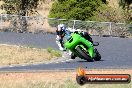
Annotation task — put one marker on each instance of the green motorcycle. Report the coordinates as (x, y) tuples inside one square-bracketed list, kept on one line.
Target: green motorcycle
[(81, 47)]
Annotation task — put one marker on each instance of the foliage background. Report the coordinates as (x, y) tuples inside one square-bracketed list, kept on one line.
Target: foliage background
[(96, 10)]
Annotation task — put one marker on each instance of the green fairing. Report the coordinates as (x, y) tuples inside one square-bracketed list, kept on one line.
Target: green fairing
[(77, 40)]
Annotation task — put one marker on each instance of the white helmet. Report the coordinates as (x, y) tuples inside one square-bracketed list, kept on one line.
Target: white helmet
[(61, 27), (73, 30)]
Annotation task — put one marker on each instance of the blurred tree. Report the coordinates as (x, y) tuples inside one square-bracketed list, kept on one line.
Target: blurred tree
[(125, 4), (21, 7), (74, 9), (104, 1)]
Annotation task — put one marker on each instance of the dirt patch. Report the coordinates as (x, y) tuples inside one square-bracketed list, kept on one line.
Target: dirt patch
[(11, 54), (113, 3), (53, 79), (55, 75)]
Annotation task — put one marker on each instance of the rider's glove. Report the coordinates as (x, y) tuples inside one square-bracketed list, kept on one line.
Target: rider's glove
[(76, 32), (58, 38)]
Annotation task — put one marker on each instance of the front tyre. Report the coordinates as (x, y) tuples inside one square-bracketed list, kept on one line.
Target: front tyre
[(84, 54)]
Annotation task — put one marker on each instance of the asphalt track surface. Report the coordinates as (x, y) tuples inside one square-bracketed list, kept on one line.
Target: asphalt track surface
[(115, 52)]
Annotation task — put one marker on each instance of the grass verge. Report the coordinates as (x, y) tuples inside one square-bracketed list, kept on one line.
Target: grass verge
[(12, 54)]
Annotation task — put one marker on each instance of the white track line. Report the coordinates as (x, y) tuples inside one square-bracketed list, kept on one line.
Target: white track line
[(62, 61), (69, 59), (23, 65), (46, 63), (65, 61), (11, 66)]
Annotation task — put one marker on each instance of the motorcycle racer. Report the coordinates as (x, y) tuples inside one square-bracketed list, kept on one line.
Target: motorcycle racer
[(63, 32), (85, 34)]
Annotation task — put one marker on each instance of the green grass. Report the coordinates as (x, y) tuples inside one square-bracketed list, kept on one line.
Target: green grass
[(54, 52), (49, 49)]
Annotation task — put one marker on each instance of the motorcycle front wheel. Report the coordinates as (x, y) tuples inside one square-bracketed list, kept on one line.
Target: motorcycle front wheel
[(84, 54)]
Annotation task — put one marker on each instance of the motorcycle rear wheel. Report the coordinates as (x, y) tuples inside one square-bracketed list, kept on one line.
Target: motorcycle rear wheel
[(97, 56), (73, 56)]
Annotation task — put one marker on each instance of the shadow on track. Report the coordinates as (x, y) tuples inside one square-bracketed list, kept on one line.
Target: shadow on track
[(89, 62)]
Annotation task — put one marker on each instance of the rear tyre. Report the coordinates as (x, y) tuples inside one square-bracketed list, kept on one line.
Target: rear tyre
[(73, 56), (97, 56), (84, 54)]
